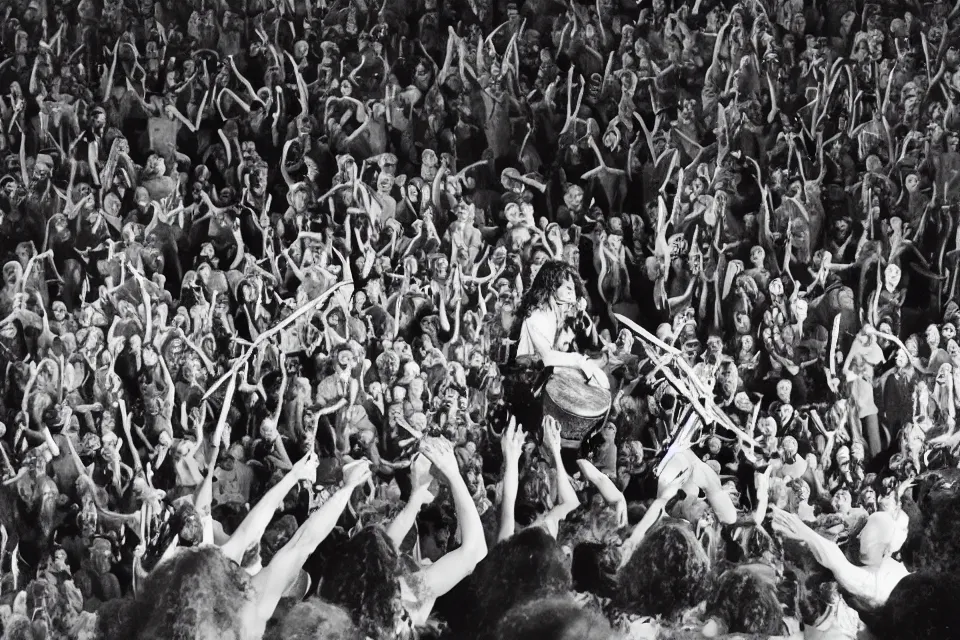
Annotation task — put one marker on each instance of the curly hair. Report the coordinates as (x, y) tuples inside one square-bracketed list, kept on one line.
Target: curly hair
[(592, 531), (552, 619), (934, 540), (668, 572), (315, 619), (199, 594), (524, 567), (746, 603), (551, 275), (921, 607), (363, 577)]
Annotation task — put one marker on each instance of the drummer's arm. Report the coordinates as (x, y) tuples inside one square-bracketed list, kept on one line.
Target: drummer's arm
[(551, 357)]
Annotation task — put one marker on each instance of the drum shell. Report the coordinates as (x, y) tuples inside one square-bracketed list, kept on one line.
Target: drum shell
[(578, 407)]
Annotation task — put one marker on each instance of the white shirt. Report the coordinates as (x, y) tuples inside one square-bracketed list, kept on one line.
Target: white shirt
[(541, 323)]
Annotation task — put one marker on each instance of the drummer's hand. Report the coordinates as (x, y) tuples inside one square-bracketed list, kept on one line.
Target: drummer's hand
[(551, 434), (594, 374), (512, 441)]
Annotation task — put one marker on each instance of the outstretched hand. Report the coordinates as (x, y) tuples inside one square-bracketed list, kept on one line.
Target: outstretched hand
[(512, 441), (439, 451), (551, 434), (356, 473)]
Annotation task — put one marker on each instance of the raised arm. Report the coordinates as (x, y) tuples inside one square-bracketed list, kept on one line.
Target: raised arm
[(567, 497), (512, 446), (251, 529), (401, 525), (274, 579), (857, 581), (448, 571), (672, 478)]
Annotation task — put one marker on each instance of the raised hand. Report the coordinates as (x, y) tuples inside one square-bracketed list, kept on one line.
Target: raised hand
[(306, 468), (439, 451), (355, 473), (551, 434), (512, 441), (788, 524)]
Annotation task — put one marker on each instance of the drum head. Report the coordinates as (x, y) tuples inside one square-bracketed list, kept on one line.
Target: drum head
[(568, 389)]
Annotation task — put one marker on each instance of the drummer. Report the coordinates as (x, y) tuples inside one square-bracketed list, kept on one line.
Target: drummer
[(549, 314), (545, 328)]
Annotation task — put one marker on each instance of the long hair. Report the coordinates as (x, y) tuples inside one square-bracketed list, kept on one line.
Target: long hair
[(363, 577), (921, 607), (668, 573), (315, 619), (552, 274), (553, 619), (198, 593), (525, 567), (746, 602)]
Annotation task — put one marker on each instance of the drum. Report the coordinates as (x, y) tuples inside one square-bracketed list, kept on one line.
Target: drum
[(576, 405)]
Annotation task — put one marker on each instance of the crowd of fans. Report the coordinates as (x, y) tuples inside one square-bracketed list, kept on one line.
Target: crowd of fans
[(266, 268)]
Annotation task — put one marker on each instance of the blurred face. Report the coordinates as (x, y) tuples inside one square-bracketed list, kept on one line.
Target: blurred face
[(268, 431), (784, 390), (566, 293), (346, 359), (776, 287), (903, 358), (948, 331), (841, 501)]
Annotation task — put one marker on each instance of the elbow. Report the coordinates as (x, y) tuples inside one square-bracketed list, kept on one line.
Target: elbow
[(473, 552)]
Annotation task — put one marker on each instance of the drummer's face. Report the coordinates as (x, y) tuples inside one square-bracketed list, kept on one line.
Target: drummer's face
[(566, 292)]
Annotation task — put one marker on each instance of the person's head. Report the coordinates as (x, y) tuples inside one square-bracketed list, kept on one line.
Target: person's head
[(842, 501), (784, 390), (315, 619), (198, 593), (746, 602), (268, 430), (150, 356), (363, 578), (554, 618), (912, 182), (921, 607), (668, 573), (877, 538), (790, 448), (156, 165), (932, 335), (522, 568), (556, 283)]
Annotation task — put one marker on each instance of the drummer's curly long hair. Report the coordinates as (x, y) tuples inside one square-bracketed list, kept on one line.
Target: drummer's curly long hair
[(551, 275)]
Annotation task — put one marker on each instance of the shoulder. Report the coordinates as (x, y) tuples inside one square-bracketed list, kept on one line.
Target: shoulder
[(540, 315)]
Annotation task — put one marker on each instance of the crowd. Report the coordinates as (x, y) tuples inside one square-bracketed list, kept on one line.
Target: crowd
[(479, 320)]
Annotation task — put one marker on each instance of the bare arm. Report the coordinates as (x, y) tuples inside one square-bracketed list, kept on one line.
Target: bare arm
[(420, 496), (448, 571), (251, 529), (568, 500), (857, 581), (276, 577), (512, 446)]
